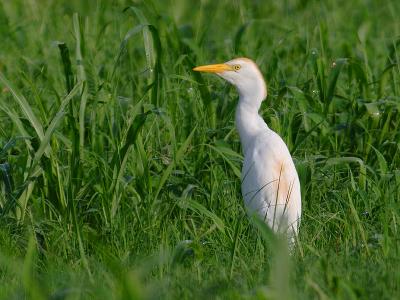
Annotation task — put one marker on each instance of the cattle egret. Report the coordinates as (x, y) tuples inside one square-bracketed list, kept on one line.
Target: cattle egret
[(270, 184)]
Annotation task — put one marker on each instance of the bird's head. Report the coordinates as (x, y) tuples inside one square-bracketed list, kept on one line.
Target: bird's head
[(242, 73)]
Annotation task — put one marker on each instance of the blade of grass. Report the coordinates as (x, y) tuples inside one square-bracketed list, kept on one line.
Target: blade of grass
[(119, 160), (45, 143), (81, 76), (179, 155), (197, 207), (25, 107)]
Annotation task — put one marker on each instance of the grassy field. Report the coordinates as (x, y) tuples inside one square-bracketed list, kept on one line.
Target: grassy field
[(120, 167)]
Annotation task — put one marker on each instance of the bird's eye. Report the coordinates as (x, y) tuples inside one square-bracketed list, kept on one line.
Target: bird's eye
[(236, 67)]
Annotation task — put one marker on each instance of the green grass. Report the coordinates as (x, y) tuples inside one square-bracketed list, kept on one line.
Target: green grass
[(119, 166)]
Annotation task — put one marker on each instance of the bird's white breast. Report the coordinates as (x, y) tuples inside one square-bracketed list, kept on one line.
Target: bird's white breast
[(270, 184)]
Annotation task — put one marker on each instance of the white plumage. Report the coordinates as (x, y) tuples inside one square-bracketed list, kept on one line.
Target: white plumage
[(270, 184)]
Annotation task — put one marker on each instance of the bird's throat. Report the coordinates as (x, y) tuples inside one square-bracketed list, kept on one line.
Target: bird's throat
[(248, 122)]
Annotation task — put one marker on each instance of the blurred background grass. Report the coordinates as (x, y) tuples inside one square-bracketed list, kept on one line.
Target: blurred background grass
[(119, 166)]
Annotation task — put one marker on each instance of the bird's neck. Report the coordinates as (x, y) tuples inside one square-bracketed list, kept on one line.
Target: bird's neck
[(248, 122)]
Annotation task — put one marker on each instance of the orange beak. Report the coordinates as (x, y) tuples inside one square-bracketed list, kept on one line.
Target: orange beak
[(217, 68)]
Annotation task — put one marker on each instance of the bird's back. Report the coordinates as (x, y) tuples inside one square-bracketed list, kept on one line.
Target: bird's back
[(270, 184)]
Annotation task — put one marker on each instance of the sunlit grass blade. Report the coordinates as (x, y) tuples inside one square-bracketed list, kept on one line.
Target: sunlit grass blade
[(81, 76), (24, 106), (147, 37), (54, 123)]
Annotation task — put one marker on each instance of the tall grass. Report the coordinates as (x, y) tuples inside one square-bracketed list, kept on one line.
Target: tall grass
[(120, 167)]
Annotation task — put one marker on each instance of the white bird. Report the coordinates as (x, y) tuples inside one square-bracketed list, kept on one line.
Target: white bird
[(270, 184)]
